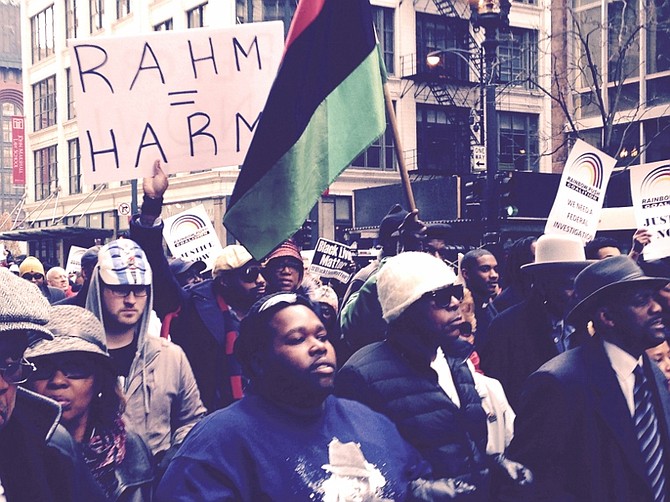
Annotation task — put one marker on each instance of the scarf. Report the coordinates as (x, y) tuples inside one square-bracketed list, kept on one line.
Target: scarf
[(104, 452)]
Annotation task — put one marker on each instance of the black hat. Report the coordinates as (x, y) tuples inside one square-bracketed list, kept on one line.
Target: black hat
[(438, 231), (391, 222), (602, 276), (179, 266)]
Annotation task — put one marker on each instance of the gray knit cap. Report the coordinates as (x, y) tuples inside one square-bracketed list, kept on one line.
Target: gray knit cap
[(75, 330), (22, 307)]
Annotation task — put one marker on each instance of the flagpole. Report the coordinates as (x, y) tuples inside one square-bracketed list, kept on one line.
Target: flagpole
[(398, 150)]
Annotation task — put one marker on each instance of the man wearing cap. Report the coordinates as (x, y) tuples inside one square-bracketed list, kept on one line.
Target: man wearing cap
[(38, 459), (437, 236), (187, 272), (527, 335), (162, 398), (31, 269), (208, 323), (418, 377), (593, 421)]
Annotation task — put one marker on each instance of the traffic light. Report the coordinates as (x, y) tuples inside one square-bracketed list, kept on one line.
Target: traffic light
[(507, 202), (305, 235), (473, 194)]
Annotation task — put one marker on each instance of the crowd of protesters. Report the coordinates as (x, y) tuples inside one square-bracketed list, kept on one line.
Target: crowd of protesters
[(539, 374)]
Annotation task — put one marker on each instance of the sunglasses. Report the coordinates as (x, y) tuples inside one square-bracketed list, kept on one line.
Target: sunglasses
[(31, 277), (124, 291), (250, 273), (75, 368), (279, 264), (442, 297), (17, 372)]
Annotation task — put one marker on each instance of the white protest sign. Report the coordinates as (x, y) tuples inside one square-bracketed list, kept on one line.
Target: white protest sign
[(650, 192), (73, 264), (581, 193), (330, 259), (191, 236), (190, 98)]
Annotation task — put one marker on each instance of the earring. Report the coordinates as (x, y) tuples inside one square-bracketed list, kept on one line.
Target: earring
[(99, 394)]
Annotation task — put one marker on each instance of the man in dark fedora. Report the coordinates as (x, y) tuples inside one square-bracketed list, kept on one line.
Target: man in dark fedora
[(593, 421), (527, 335)]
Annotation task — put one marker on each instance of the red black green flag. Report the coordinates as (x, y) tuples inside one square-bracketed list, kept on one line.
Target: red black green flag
[(326, 106)]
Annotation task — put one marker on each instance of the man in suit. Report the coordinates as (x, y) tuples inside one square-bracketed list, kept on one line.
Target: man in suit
[(593, 421)]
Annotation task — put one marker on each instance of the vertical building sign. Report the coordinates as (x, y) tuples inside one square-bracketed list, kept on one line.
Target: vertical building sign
[(18, 151)]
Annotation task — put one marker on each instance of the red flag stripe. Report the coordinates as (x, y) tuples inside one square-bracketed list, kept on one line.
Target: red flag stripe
[(305, 14)]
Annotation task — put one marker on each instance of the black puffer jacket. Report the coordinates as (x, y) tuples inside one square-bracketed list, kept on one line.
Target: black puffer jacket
[(394, 378)]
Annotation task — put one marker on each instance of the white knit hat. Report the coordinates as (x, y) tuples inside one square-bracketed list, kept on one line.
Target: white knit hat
[(406, 277)]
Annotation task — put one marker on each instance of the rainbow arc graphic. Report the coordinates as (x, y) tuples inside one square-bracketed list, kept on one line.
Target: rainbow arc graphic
[(587, 168), (656, 182), (186, 224)]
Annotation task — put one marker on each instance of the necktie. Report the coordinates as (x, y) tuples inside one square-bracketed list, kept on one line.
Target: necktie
[(646, 427)]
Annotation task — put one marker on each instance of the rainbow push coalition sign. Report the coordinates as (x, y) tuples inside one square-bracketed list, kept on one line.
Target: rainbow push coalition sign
[(650, 193), (579, 200)]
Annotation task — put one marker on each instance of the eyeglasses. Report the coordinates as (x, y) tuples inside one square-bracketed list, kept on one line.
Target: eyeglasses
[(289, 298), (124, 291), (17, 372), (279, 264), (250, 273), (442, 297), (75, 368), (29, 277)]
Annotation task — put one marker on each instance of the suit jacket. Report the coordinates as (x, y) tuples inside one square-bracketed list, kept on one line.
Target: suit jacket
[(575, 431)]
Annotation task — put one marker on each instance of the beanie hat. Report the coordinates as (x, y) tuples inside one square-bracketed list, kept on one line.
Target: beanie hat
[(31, 265), (406, 277), (123, 262), (75, 329), (90, 258), (391, 222), (231, 257), (288, 248), (22, 307)]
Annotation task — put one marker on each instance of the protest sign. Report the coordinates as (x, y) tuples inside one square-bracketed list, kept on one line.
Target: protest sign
[(190, 98), (191, 236), (73, 264), (581, 192), (331, 259), (650, 192)]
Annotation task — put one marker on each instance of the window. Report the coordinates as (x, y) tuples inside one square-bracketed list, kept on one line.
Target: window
[(42, 34), (588, 44), (44, 103), (122, 8), (97, 9), (380, 154), (519, 141), (195, 18), (623, 44), (383, 18), (71, 110), (70, 19), (657, 139), (658, 36), (249, 11), (438, 33), (164, 26), (46, 172), (443, 139), (74, 163), (518, 58)]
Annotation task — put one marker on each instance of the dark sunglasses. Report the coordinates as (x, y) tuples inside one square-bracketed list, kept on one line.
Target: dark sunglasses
[(76, 368), (30, 276), (442, 297), (281, 264), (250, 273), (17, 372)]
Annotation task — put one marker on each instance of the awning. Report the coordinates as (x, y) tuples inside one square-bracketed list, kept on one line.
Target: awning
[(56, 232)]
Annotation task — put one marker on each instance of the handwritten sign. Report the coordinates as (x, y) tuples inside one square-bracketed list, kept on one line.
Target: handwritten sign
[(330, 259), (580, 196), (191, 98), (650, 193), (191, 236)]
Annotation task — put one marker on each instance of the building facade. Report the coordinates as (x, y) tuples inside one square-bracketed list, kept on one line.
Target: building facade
[(438, 135)]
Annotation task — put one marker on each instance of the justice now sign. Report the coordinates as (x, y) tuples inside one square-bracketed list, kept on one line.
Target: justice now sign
[(190, 98)]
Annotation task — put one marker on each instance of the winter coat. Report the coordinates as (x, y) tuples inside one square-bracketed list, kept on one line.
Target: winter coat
[(135, 475)]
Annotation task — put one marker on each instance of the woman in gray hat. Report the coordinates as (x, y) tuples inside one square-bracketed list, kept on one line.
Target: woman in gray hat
[(74, 370)]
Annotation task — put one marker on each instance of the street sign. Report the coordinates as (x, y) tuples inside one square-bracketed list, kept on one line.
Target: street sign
[(478, 158), (124, 209)]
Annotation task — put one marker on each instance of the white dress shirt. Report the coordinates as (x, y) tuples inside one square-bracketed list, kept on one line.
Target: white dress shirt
[(624, 364)]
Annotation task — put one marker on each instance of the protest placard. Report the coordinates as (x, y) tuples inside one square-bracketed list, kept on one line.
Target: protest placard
[(581, 192), (73, 264), (190, 98), (650, 192), (331, 259), (190, 236)]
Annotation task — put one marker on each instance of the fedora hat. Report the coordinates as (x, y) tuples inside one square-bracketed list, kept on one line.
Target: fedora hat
[(604, 275), (562, 251)]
